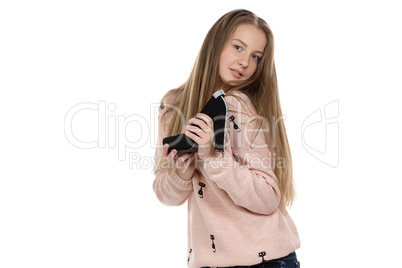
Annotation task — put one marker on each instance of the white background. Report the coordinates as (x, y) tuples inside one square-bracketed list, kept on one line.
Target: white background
[(64, 206)]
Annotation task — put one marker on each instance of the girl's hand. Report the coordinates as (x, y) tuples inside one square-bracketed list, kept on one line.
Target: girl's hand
[(184, 162), (203, 126)]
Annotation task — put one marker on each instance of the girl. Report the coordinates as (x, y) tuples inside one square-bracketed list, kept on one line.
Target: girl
[(236, 198)]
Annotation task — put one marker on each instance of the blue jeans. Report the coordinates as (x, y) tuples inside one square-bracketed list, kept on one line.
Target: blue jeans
[(289, 261)]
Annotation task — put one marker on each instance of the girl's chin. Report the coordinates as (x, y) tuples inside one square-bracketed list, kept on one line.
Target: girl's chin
[(231, 82), (234, 82)]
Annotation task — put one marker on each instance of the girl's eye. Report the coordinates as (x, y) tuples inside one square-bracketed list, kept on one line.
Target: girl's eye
[(256, 57), (237, 47)]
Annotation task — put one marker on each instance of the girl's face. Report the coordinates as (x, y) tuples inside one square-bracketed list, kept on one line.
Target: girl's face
[(241, 54)]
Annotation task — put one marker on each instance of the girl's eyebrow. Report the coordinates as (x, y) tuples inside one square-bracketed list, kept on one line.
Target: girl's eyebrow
[(244, 44)]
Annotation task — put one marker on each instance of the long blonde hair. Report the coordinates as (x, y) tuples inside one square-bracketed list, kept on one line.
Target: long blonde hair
[(261, 88)]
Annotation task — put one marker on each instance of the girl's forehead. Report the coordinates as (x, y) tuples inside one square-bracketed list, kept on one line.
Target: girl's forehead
[(251, 36)]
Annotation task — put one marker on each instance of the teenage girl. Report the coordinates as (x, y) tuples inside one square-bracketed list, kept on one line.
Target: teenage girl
[(236, 199)]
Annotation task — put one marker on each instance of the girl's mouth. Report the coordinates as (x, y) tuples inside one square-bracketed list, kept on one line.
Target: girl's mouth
[(236, 73)]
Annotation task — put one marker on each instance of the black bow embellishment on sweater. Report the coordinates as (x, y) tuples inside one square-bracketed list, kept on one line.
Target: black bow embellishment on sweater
[(200, 192), (213, 244), (231, 119)]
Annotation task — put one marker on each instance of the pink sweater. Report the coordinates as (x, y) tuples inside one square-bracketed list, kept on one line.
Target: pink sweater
[(234, 216)]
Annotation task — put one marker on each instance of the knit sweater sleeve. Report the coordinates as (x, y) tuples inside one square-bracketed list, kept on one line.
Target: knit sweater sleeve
[(244, 170), (169, 188)]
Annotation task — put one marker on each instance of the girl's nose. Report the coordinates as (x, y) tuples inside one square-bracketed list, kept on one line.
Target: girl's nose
[(243, 61)]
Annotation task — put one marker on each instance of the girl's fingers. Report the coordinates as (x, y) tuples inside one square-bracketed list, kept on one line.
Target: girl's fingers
[(172, 156), (198, 131), (165, 149), (185, 156), (190, 158), (202, 125), (199, 124), (206, 119), (185, 162), (180, 161), (199, 136), (196, 138)]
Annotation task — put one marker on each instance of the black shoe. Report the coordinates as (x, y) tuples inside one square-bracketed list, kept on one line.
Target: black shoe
[(217, 109)]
